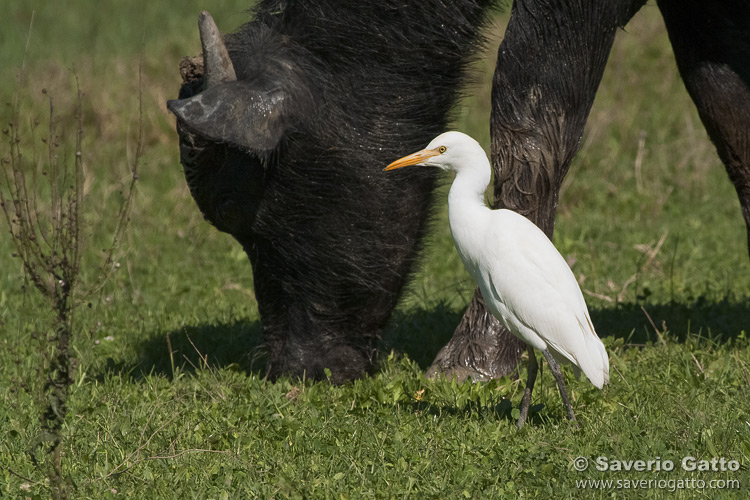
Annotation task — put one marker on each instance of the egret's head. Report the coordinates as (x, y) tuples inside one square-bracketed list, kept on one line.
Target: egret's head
[(449, 151)]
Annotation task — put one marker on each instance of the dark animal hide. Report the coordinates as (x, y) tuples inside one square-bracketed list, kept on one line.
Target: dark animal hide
[(288, 159)]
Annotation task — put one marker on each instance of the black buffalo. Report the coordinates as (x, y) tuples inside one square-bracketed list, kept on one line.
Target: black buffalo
[(284, 139)]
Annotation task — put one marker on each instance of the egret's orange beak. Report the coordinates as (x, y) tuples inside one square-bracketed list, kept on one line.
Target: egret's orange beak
[(413, 159)]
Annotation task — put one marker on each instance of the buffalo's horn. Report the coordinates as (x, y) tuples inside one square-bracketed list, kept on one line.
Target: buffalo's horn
[(218, 66)]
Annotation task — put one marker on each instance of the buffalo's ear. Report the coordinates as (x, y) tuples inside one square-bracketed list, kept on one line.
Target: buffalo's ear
[(238, 113), (250, 114)]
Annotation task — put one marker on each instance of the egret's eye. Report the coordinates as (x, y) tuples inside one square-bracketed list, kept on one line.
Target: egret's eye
[(442, 149)]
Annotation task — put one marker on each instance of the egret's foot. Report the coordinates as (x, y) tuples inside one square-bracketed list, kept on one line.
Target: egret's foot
[(480, 349), (521, 420)]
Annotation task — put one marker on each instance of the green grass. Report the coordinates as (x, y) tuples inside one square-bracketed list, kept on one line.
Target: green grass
[(169, 399)]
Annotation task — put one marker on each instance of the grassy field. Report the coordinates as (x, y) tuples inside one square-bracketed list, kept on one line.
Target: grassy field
[(169, 399)]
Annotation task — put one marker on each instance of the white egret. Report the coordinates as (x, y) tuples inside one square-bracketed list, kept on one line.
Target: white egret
[(524, 280)]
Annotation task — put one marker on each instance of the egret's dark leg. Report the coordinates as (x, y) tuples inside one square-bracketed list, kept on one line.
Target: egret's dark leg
[(530, 379), (554, 367)]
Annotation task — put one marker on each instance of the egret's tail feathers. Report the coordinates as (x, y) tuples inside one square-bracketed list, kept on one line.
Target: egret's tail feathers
[(596, 366), (589, 356), (592, 359)]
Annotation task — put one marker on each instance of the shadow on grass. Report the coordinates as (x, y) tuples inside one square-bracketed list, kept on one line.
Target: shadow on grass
[(501, 410), (421, 333), (719, 321), (236, 344)]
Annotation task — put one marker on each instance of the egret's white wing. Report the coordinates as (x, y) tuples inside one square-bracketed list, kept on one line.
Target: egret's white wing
[(528, 284)]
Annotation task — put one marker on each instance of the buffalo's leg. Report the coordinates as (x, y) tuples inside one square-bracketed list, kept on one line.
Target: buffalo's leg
[(548, 69), (711, 42), (481, 348)]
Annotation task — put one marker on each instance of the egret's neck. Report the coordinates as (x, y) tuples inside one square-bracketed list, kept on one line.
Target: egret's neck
[(467, 211), (467, 190)]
